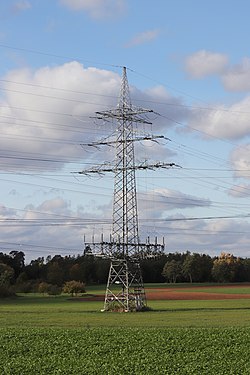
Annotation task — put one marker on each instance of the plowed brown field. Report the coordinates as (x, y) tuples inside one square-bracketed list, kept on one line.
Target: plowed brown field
[(185, 293), (179, 295)]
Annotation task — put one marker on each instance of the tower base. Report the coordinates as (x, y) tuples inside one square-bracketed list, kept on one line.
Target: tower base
[(125, 290)]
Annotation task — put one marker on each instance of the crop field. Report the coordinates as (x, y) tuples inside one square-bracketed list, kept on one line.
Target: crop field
[(60, 335)]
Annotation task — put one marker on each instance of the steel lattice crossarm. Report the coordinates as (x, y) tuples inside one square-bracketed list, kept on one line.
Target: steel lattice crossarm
[(127, 113), (103, 168), (153, 138)]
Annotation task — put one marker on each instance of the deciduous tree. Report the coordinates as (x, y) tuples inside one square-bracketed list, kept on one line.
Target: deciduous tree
[(197, 267), (74, 287), (7, 274), (225, 268), (172, 270)]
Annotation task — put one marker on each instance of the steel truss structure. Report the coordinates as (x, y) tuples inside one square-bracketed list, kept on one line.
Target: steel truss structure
[(125, 289)]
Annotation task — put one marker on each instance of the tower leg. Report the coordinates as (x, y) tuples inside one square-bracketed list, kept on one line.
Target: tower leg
[(125, 290)]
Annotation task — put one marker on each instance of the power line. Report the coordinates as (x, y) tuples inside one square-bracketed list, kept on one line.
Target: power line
[(52, 97), (33, 246), (200, 108), (213, 109), (57, 56)]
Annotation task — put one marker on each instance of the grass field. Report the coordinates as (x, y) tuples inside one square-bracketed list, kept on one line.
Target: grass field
[(58, 335)]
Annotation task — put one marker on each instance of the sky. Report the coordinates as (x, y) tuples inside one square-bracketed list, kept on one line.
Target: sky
[(61, 62)]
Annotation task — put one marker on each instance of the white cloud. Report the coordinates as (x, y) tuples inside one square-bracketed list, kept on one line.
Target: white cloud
[(160, 101), (45, 237), (156, 202), (21, 5), (205, 63), (230, 122), (56, 206), (203, 236), (97, 8), (240, 160), (230, 235), (6, 212), (240, 191), (144, 37), (39, 122), (237, 78), (41, 236)]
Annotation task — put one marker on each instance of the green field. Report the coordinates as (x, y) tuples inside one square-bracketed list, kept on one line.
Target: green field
[(58, 335)]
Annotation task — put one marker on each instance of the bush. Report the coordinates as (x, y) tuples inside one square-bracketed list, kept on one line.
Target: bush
[(25, 287), (54, 290), (74, 287), (43, 287), (6, 291)]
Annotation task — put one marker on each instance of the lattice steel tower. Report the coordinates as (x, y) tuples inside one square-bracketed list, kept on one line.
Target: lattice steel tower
[(125, 289)]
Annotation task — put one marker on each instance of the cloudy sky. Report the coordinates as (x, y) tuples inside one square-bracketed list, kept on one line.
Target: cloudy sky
[(188, 61)]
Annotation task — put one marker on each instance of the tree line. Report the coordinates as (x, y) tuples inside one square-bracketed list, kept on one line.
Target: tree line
[(52, 274)]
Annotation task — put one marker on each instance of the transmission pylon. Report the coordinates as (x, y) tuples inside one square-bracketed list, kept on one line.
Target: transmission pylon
[(125, 290)]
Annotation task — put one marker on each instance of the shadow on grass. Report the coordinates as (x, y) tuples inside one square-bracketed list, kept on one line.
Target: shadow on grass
[(202, 309)]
